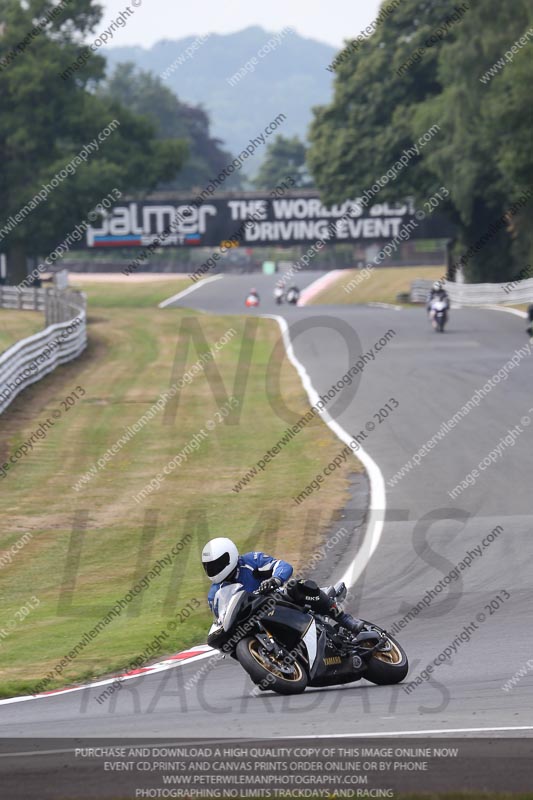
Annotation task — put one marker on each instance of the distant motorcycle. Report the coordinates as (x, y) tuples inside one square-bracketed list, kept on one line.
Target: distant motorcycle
[(285, 647), (439, 315), (252, 300), (278, 295), (293, 295)]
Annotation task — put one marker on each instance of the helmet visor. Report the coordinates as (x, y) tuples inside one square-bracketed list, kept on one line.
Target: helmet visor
[(213, 568)]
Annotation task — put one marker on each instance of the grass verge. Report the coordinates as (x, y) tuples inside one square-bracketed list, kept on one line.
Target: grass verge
[(381, 286), (17, 325), (87, 549)]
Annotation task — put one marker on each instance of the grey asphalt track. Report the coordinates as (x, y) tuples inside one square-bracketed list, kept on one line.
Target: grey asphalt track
[(426, 533)]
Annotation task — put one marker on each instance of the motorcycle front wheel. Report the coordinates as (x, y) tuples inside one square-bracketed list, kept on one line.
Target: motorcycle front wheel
[(388, 665), (268, 672)]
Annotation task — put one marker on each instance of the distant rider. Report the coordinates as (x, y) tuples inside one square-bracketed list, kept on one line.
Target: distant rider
[(293, 295), (278, 292), (257, 571), (253, 298), (438, 292)]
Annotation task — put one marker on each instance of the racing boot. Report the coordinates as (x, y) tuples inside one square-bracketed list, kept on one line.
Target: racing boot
[(346, 620)]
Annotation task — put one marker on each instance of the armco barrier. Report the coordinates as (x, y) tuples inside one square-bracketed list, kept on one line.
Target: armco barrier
[(477, 294), (64, 338), (22, 299), (420, 290)]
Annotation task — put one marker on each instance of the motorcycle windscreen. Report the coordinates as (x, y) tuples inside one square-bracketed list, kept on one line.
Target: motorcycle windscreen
[(287, 625), (227, 603)]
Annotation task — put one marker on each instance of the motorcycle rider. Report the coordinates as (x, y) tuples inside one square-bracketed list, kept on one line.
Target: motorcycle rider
[(438, 292), (253, 298), (293, 295), (258, 571), (278, 292)]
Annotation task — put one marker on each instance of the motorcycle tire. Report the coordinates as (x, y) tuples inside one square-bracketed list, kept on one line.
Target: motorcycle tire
[(386, 668), (255, 662)]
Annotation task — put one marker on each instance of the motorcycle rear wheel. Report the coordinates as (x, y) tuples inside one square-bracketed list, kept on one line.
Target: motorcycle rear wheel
[(267, 672), (388, 666)]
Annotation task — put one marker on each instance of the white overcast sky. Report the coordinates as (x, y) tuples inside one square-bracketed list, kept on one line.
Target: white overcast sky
[(153, 20)]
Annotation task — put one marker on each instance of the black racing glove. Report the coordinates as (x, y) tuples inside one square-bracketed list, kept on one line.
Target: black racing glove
[(269, 585)]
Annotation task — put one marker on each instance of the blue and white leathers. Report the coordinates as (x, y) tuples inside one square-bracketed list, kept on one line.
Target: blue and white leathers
[(252, 570)]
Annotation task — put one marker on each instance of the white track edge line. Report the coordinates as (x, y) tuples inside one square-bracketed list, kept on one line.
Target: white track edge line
[(515, 311), (420, 732), (161, 666), (376, 513), (389, 734), (188, 290)]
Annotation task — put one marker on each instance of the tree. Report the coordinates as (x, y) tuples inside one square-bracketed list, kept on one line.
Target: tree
[(46, 122), (144, 93), (469, 154), (285, 157), (394, 88)]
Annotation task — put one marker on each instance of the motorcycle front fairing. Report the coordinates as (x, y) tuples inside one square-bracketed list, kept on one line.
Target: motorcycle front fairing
[(228, 605), (292, 628)]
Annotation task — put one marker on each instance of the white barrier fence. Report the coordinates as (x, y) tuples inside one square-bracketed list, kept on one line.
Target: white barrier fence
[(420, 290), (477, 294), (64, 338), (22, 299)]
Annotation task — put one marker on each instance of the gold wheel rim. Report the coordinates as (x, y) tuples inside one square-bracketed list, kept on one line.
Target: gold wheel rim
[(392, 656), (270, 666)]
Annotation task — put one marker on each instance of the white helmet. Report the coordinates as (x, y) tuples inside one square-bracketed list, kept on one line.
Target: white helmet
[(437, 286), (220, 558)]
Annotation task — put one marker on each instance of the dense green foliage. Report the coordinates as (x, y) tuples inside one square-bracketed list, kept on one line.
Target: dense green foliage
[(45, 122), (394, 87), (145, 94), (284, 157)]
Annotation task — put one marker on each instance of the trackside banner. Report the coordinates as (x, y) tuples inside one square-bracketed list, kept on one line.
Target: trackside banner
[(230, 221)]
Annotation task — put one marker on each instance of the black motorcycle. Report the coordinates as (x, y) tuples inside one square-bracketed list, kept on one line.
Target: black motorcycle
[(285, 647)]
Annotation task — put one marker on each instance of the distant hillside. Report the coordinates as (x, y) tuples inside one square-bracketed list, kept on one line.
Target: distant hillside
[(291, 79)]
